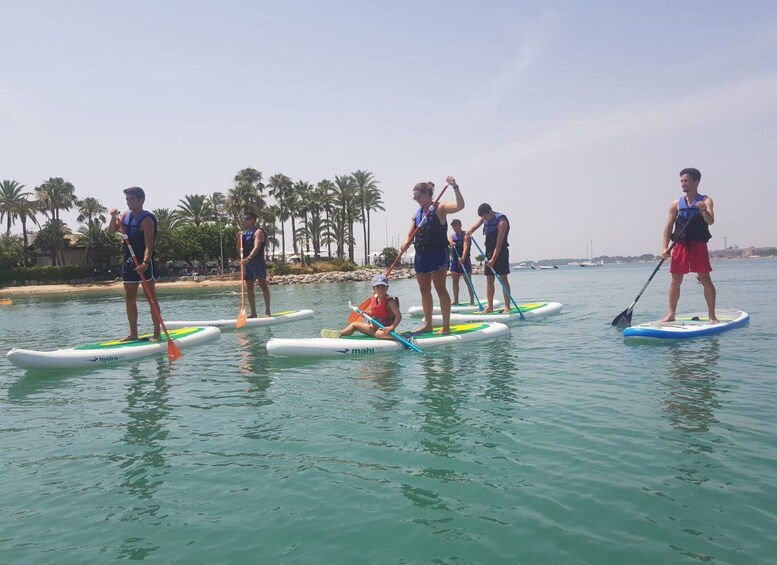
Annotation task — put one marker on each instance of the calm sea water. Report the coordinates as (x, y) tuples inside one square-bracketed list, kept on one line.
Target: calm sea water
[(559, 444)]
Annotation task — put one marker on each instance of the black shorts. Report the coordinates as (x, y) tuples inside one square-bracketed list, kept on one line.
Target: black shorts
[(255, 270), (130, 275), (502, 265)]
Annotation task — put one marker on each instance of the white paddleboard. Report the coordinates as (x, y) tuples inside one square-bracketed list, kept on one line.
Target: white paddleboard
[(459, 308), (361, 345), (686, 326), (530, 311), (108, 352), (231, 324)]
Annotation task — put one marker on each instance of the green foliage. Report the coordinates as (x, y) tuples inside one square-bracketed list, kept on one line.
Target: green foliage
[(279, 268), (388, 255), (11, 252), (344, 265), (46, 274)]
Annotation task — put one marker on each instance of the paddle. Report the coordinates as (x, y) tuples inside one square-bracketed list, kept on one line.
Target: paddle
[(498, 278), (393, 334), (173, 352), (364, 303), (623, 320), (469, 280), (242, 316)]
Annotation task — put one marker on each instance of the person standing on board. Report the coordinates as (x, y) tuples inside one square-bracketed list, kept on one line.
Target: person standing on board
[(496, 226), (254, 240), (460, 261), (382, 308), (431, 249), (690, 216), (140, 226)]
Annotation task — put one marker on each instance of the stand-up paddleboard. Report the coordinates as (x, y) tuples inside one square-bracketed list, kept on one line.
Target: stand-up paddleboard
[(5, 301), (360, 345), (271, 320), (109, 352), (459, 308), (530, 310), (689, 325)]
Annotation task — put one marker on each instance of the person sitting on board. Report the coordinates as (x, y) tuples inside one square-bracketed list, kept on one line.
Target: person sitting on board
[(690, 216), (431, 250), (141, 228), (383, 308), (496, 227), (460, 262), (253, 241)]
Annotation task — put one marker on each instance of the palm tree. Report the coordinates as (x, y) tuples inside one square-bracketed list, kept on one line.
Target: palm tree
[(101, 248), (11, 192), (373, 201), (51, 239), (345, 200), (280, 185), (325, 190), (194, 209), (91, 210), (365, 184), (54, 195), (246, 194), (27, 210), (218, 204)]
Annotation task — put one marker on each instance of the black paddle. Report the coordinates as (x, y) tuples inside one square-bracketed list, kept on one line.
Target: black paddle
[(623, 320)]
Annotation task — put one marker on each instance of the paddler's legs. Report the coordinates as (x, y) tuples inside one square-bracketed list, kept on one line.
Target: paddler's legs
[(131, 305), (265, 294), (152, 291), (470, 289), (710, 295), (489, 292), (440, 278), (506, 293), (674, 296), (425, 286), (455, 284), (251, 297)]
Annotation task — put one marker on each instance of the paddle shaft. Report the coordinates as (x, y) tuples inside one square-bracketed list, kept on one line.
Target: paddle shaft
[(469, 280), (393, 334), (498, 278), (172, 349)]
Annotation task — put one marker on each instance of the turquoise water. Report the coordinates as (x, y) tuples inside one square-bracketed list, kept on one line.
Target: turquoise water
[(559, 444)]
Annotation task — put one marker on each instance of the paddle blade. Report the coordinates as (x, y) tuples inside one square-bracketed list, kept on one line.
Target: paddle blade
[(355, 316), (623, 320), (242, 318), (173, 352)]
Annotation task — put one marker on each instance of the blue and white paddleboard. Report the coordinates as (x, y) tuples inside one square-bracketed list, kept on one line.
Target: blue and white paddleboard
[(686, 326)]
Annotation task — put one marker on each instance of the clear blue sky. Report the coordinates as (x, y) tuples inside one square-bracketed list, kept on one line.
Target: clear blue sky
[(574, 118)]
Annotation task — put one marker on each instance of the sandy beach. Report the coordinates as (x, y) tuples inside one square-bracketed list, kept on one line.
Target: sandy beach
[(200, 282)]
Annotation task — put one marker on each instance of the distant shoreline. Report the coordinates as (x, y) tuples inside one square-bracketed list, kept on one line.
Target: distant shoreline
[(184, 283)]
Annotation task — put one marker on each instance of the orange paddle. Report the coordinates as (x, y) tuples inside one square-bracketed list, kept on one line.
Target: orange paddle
[(242, 316), (355, 316), (173, 352)]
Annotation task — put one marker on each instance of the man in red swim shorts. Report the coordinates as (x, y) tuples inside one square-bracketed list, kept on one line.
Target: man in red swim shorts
[(688, 226)]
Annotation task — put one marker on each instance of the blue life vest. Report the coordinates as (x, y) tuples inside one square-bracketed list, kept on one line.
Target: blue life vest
[(491, 229), (248, 244), (689, 219), (433, 234), (135, 235), (458, 242)]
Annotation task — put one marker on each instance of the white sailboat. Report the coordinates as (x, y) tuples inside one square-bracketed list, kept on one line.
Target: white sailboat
[(590, 262)]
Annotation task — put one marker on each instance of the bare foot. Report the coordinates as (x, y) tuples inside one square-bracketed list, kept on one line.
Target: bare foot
[(130, 337), (443, 332), (420, 330), (668, 318), (714, 320), (507, 310), (252, 316), (155, 339), (487, 310)]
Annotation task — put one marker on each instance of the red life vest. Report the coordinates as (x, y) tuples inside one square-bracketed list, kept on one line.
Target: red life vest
[(380, 311)]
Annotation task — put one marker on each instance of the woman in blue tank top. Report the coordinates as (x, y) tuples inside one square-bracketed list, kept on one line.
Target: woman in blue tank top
[(431, 249)]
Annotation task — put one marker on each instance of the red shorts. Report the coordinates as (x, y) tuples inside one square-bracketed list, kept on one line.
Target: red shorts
[(690, 257)]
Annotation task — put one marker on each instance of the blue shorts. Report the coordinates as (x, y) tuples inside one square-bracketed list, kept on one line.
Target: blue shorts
[(255, 270), (502, 266), (431, 260), (465, 268), (130, 275)]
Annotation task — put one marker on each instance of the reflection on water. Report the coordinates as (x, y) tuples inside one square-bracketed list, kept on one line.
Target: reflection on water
[(501, 369), (691, 386), (144, 466), (442, 397), (384, 376)]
